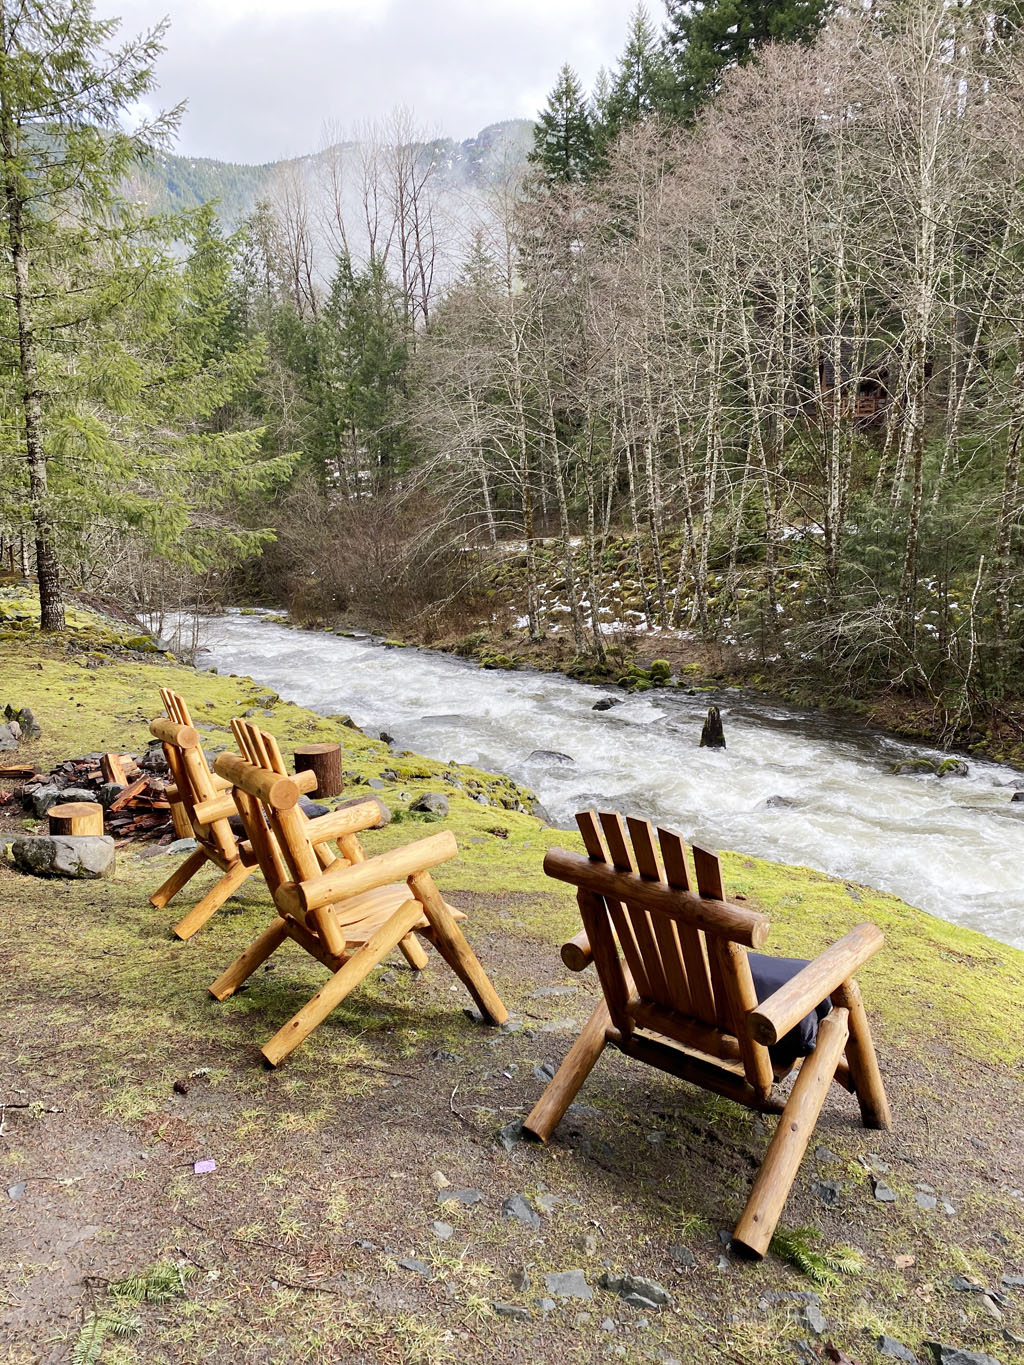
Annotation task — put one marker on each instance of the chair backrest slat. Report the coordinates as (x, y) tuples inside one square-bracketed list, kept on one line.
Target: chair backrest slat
[(691, 941), (591, 836), (651, 966), (665, 930)]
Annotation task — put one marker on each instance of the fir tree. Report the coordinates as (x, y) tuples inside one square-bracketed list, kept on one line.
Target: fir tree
[(118, 353), (638, 85), (703, 40), (563, 138)]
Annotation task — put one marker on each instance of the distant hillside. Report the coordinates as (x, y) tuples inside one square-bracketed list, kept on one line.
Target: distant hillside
[(170, 183)]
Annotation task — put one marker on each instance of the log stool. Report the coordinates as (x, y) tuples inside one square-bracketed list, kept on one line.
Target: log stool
[(77, 817), (324, 760)]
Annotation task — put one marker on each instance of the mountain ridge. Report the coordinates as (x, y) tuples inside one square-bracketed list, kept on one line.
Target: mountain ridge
[(170, 182)]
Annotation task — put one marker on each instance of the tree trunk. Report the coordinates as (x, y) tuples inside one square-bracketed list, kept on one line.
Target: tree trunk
[(51, 604)]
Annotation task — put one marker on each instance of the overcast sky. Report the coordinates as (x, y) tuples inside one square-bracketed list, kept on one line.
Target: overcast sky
[(264, 77)]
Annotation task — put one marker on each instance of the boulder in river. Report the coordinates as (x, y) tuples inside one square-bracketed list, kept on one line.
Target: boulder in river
[(549, 756), (712, 736), (606, 703), (954, 767), (913, 765)]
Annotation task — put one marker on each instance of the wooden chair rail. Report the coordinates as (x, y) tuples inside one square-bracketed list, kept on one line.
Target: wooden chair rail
[(775, 1016), (702, 912), (339, 883)]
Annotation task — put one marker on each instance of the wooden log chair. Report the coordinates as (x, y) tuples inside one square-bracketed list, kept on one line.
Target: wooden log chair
[(347, 912), (202, 808), (679, 993)]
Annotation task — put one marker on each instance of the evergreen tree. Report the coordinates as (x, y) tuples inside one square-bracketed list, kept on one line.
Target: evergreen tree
[(563, 138), (118, 359), (704, 38), (637, 88)]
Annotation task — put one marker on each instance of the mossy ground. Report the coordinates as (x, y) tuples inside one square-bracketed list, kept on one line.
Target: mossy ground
[(104, 1012)]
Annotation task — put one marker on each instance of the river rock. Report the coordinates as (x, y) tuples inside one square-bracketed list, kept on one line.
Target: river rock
[(432, 803), (512, 1310), (549, 756), (913, 765), (606, 703), (27, 722), (42, 798), (953, 1355), (636, 1290), (954, 767), (889, 1346), (712, 736), (65, 855), (516, 1207), (568, 1284)]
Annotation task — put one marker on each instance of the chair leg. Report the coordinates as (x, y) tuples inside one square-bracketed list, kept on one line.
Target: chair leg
[(412, 951), (786, 1149), (213, 900), (450, 942), (860, 1053), (348, 976), (178, 878), (548, 1112), (254, 956)]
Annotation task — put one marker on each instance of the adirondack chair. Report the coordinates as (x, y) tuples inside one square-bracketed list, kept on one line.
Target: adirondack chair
[(681, 997), (347, 912), (203, 807)]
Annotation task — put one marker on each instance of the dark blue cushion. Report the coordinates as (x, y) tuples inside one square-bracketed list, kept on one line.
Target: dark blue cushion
[(308, 808), (771, 973)]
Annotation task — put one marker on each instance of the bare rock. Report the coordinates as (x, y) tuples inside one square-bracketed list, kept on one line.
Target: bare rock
[(65, 855)]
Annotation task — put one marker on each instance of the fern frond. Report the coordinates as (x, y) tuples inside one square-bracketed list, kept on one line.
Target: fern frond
[(823, 1268), (164, 1281)]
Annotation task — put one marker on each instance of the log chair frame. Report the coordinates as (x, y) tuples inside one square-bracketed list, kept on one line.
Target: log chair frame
[(347, 912), (201, 807), (681, 998)]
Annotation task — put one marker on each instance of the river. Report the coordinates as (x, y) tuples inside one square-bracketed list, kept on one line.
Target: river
[(953, 846)]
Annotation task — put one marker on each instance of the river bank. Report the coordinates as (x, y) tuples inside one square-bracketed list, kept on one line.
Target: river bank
[(325, 1171)]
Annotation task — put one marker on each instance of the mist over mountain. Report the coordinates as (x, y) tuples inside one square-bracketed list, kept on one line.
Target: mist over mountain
[(170, 183)]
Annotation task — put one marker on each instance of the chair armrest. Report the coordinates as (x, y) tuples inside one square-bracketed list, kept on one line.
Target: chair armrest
[(339, 883), (775, 1016), (577, 954), (346, 820)]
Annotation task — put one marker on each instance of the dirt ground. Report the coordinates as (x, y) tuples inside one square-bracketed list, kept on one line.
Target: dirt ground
[(328, 1170)]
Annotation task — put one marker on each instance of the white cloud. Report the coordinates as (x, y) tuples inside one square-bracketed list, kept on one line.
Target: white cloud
[(263, 77)]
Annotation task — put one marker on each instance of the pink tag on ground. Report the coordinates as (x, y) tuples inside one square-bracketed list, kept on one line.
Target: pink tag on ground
[(205, 1167)]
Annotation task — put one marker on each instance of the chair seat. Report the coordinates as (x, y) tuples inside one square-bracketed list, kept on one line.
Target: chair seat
[(359, 917)]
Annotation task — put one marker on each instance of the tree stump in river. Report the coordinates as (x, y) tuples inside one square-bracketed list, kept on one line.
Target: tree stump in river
[(325, 761), (76, 817), (712, 736)]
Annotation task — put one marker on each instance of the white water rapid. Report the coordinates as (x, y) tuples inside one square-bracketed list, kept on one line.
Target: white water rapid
[(953, 846)]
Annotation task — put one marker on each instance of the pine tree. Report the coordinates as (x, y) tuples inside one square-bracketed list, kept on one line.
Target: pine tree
[(702, 40), (563, 139)]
